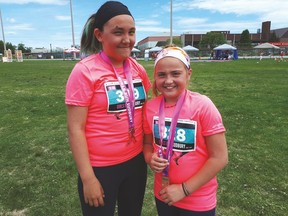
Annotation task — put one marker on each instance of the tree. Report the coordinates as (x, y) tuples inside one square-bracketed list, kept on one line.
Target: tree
[(245, 41), (1, 46), (212, 39), (8, 46), (11, 47), (24, 49), (175, 41)]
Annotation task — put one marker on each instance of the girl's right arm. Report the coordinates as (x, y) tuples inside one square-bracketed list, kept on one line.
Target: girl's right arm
[(92, 189)]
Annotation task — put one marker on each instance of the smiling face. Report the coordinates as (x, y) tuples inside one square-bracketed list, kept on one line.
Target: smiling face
[(117, 38), (171, 78)]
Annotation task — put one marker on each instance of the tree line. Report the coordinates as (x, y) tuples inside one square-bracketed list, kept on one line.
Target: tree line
[(12, 47), (213, 39)]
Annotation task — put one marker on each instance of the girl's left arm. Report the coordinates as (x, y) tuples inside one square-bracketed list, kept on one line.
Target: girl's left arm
[(218, 159)]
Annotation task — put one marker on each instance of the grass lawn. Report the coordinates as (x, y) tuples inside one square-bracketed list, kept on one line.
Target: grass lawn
[(38, 174)]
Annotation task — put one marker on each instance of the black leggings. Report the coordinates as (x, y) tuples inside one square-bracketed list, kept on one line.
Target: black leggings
[(122, 183), (166, 210)]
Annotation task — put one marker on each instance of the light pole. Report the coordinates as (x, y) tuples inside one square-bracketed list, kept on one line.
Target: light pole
[(73, 39), (3, 33), (171, 32)]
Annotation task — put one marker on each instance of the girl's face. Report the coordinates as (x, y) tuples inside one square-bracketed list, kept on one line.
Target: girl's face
[(117, 38), (171, 78)]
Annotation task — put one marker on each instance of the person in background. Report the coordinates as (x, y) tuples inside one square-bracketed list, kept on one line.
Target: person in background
[(105, 93), (184, 141), (282, 55), (261, 56)]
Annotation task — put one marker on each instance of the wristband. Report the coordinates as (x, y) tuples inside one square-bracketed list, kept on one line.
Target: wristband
[(185, 190)]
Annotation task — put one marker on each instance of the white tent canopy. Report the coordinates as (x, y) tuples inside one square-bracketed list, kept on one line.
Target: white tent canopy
[(72, 50), (190, 48), (225, 47), (266, 46), (135, 50)]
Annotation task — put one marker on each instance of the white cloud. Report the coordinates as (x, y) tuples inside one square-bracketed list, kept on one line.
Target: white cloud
[(147, 22), (238, 7), (59, 17), (180, 21), (44, 2), (144, 25), (278, 17), (151, 29), (261, 10), (21, 27), (11, 20)]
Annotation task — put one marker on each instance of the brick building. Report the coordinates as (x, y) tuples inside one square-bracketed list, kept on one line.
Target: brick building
[(194, 39)]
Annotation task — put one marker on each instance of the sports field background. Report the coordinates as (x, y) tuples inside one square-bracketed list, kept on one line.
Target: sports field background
[(38, 174)]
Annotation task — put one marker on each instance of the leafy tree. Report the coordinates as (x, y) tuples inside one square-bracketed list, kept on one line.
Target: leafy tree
[(212, 39), (175, 41), (245, 40), (8, 46), (24, 49)]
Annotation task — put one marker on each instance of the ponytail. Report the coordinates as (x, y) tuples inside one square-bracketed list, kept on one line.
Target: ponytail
[(89, 43)]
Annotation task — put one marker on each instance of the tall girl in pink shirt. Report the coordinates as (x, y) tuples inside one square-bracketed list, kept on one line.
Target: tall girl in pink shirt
[(104, 95), (184, 142)]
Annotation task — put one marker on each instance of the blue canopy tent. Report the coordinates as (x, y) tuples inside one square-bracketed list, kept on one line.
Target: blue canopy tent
[(225, 50)]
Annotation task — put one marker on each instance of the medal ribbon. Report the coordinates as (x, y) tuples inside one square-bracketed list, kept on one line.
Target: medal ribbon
[(170, 142), (128, 95)]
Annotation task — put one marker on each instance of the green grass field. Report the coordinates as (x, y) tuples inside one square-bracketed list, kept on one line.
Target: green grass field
[(38, 174)]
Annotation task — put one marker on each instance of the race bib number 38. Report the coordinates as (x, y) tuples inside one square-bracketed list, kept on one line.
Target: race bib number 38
[(115, 96), (185, 134)]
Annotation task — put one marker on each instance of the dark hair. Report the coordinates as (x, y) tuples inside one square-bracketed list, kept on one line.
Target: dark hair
[(110, 9)]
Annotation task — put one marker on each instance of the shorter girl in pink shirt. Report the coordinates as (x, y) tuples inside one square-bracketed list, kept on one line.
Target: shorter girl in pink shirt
[(184, 141)]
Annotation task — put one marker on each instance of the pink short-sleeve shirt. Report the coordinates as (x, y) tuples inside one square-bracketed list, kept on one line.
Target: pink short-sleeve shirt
[(198, 118), (93, 84)]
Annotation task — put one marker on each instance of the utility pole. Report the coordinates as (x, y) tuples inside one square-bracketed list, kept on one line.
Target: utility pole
[(171, 32), (3, 33), (72, 24)]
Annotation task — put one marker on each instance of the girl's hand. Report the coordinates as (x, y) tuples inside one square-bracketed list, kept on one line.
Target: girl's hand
[(158, 164), (172, 193), (93, 193)]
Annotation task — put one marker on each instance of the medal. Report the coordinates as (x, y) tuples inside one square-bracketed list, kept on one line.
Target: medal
[(128, 94), (165, 181), (170, 142), (131, 133)]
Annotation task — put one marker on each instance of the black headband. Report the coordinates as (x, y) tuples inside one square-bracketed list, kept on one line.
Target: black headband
[(109, 10)]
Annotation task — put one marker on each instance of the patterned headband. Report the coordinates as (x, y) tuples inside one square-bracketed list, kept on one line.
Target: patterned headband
[(175, 52)]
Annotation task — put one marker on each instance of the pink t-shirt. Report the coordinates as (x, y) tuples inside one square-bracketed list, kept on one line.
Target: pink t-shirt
[(93, 84), (198, 118)]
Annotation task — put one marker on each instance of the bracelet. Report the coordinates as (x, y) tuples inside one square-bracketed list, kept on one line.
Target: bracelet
[(185, 190)]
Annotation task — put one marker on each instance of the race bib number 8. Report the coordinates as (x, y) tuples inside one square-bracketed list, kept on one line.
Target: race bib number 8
[(185, 134), (115, 96)]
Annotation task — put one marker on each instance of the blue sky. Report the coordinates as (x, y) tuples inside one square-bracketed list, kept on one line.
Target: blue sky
[(41, 23)]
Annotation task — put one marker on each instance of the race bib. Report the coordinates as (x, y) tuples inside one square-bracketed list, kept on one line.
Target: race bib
[(185, 134), (115, 96)]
